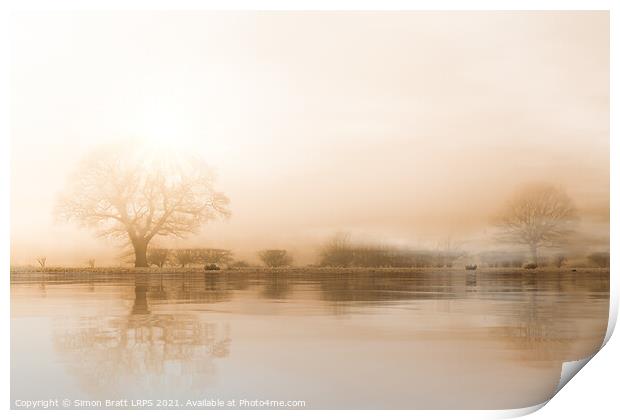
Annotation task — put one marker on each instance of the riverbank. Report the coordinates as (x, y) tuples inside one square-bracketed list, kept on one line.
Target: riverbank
[(296, 271)]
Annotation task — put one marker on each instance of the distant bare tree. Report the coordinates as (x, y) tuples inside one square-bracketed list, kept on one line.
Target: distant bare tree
[(125, 195), (42, 261), (91, 263), (158, 256), (275, 257), (537, 216)]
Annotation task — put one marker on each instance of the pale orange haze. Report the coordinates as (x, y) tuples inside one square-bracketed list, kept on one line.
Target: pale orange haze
[(404, 128)]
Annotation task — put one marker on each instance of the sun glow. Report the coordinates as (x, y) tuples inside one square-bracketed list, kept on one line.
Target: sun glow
[(165, 128)]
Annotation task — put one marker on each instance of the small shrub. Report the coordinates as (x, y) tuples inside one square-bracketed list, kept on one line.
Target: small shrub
[(275, 257), (211, 267), (530, 266)]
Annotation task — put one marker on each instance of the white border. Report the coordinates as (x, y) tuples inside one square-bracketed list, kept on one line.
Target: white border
[(310, 5), (595, 389)]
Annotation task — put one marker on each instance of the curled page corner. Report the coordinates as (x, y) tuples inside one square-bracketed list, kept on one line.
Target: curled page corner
[(613, 313), (570, 369), (519, 412)]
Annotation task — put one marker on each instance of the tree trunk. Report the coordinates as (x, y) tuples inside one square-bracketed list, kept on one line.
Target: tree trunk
[(534, 252), (139, 247)]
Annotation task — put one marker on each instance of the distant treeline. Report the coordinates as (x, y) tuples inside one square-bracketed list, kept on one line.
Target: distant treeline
[(557, 259), (503, 259), (381, 256), (340, 252), (213, 256), (188, 256)]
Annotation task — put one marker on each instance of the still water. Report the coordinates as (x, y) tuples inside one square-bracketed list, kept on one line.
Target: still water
[(422, 340)]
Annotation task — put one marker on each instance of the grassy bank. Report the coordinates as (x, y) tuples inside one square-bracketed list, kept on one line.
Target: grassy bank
[(293, 270)]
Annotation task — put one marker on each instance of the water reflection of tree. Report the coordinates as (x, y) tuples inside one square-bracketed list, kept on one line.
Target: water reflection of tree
[(380, 289), (542, 322), (148, 350), (276, 287), (541, 318)]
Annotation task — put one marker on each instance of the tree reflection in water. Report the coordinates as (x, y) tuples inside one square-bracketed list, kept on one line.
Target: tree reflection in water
[(554, 320), (346, 292), (148, 348), (276, 287), (541, 317)]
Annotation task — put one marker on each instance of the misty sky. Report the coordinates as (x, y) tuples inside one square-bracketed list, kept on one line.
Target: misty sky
[(404, 128)]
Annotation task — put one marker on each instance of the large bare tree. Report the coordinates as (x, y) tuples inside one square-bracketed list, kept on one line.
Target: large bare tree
[(125, 195), (538, 216)]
